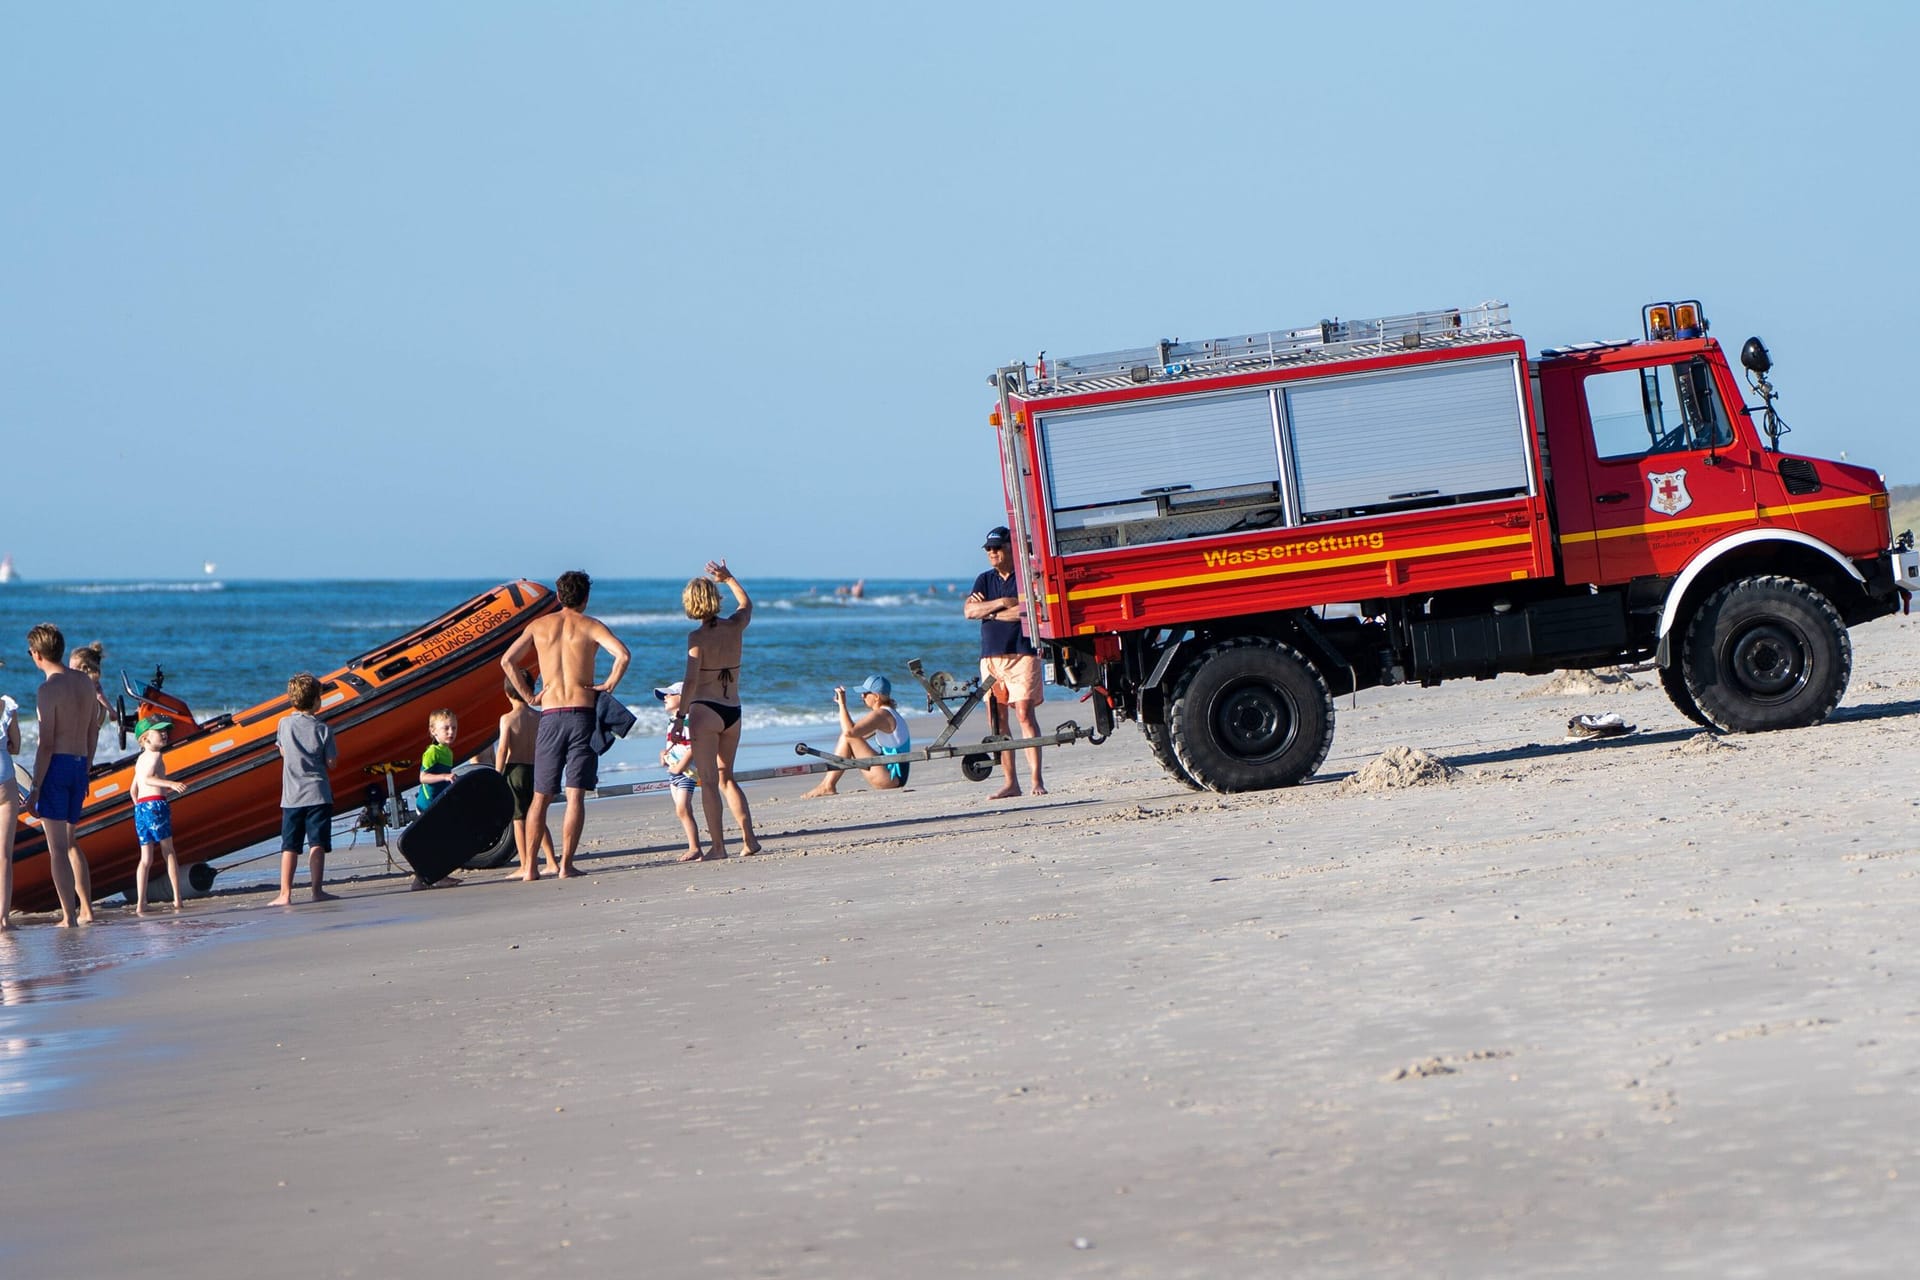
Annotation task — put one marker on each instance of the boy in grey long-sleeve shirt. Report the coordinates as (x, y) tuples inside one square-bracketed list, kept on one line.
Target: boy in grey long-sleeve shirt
[(306, 797)]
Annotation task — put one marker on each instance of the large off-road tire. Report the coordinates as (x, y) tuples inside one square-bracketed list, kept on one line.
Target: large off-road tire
[(1250, 714), (1766, 653), (1160, 742), (1674, 680)]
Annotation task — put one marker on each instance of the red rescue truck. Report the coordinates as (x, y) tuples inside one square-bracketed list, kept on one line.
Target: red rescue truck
[(1186, 515)]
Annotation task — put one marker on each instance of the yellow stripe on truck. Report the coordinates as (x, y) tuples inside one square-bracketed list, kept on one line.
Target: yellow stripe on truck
[(1338, 562), (1730, 517)]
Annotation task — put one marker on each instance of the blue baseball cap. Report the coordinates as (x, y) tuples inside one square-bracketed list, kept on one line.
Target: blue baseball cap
[(877, 684), (998, 536)]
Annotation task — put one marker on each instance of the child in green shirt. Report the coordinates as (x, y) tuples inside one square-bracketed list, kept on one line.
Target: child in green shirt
[(436, 762)]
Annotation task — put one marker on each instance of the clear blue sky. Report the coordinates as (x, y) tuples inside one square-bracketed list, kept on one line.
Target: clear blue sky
[(483, 289)]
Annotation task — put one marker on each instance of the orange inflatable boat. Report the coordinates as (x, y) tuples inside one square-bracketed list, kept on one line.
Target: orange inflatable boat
[(377, 706)]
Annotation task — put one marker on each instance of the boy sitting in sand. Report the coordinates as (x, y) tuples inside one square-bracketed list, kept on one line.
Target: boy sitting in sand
[(677, 760), (307, 751), (513, 757), (152, 815)]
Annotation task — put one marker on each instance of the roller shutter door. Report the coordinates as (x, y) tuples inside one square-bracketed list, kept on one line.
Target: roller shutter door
[(1408, 437)]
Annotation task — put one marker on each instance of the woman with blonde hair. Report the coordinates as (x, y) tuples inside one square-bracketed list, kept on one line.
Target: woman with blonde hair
[(710, 700)]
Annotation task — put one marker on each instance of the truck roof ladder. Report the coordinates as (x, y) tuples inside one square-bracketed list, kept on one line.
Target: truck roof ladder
[(1329, 340)]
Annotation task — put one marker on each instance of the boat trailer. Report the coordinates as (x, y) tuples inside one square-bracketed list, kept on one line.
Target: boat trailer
[(955, 700)]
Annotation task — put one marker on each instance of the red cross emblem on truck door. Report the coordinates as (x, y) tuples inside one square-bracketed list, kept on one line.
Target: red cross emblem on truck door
[(1669, 492)]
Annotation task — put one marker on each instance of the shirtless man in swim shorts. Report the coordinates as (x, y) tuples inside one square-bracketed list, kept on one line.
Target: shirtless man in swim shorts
[(65, 709), (565, 644)]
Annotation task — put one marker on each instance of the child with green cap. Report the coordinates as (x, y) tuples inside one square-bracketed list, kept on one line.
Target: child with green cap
[(152, 814)]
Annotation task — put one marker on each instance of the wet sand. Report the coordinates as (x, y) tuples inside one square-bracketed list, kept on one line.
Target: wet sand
[(1615, 1008)]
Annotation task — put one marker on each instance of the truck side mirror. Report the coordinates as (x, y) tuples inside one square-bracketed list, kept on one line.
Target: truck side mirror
[(1755, 358)]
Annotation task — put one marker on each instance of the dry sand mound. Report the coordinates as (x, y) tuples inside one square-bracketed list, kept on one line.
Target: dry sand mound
[(1580, 683), (1397, 768), (1705, 743)]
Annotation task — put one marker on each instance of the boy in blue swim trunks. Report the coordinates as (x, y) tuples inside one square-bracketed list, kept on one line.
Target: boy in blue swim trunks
[(64, 708), (152, 815)]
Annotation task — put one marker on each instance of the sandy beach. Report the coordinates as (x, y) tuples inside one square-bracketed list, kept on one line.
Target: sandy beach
[(1638, 1006)]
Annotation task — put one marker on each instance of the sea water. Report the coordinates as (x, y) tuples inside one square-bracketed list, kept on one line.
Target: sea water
[(225, 646)]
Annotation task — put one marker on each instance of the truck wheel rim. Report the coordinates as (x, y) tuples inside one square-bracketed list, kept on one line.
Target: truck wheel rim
[(1253, 721), (1769, 661)]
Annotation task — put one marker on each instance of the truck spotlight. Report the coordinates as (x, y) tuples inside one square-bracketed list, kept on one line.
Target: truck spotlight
[(1754, 356)]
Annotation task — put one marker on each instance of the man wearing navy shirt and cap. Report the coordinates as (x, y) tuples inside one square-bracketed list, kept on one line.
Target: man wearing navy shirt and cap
[(1007, 655)]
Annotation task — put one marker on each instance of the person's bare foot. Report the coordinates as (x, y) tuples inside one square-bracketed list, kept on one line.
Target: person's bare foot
[(823, 789), (321, 895), (86, 916), (750, 850), (141, 911), (67, 922), (1007, 792), (1038, 790), (691, 855), (567, 873), (284, 900), (528, 877)]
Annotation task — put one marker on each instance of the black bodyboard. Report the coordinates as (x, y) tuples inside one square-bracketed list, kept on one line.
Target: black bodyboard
[(467, 820)]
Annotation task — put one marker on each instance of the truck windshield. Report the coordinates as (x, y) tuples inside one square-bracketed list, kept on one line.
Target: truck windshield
[(1668, 408)]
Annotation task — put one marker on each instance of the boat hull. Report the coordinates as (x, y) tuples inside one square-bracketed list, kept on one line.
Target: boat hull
[(377, 706)]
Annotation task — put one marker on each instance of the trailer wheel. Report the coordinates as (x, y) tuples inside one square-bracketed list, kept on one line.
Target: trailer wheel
[(1160, 742), (1250, 714), (1673, 678), (1767, 653), (976, 767)]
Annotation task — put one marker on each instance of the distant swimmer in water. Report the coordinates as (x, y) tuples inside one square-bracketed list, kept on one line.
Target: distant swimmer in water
[(710, 701)]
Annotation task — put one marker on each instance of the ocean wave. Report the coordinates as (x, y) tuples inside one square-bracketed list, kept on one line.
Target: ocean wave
[(911, 600), (396, 626), (127, 588), (645, 619)]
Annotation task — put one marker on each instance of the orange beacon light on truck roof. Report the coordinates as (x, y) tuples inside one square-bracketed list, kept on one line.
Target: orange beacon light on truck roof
[(1664, 321)]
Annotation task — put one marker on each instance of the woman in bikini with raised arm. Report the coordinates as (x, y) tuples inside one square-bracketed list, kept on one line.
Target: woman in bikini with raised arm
[(710, 701)]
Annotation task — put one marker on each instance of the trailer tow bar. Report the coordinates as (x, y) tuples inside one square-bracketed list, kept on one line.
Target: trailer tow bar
[(976, 764), (976, 760)]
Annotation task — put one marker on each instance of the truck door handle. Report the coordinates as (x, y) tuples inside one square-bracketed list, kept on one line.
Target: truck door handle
[(1616, 496)]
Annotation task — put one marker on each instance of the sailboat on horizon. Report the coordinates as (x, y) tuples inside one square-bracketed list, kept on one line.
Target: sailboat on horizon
[(6, 569)]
